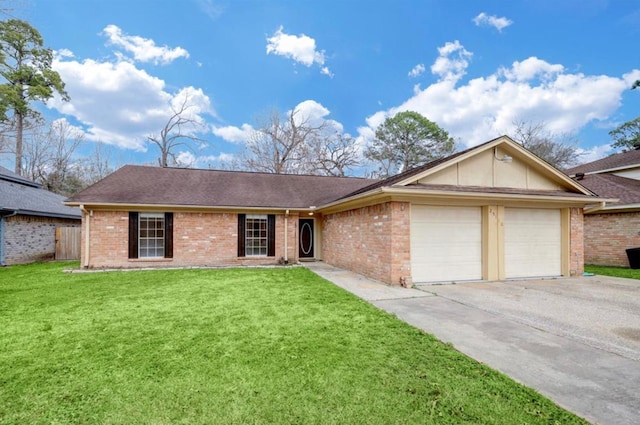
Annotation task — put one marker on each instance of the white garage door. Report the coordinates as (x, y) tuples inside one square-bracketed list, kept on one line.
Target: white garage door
[(532, 242), (446, 243)]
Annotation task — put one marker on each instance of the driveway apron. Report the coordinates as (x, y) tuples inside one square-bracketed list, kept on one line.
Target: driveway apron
[(577, 341)]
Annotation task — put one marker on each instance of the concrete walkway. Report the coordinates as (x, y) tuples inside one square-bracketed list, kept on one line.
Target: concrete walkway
[(599, 385)]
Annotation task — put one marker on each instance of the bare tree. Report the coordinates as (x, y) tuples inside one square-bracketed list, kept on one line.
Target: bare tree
[(293, 143), (558, 149), (334, 154), (96, 167), (48, 157), (180, 130), (278, 145)]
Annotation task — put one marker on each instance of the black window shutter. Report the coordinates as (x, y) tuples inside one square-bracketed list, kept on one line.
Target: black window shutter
[(271, 235), (241, 232), (133, 234), (168, 235)]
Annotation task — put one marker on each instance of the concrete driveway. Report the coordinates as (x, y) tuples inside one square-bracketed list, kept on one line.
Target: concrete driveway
[(577, 341)]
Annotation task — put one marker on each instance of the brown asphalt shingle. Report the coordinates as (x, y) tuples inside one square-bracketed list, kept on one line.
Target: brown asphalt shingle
[(612, 186), (134, 184), (617, 160)]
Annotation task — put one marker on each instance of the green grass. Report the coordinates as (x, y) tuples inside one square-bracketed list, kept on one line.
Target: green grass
[(231, 346), (613, 271)]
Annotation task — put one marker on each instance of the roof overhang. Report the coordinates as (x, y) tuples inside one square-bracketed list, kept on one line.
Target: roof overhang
[(615, 208), (177, 207), (608, 170), (7, 211), (459, 196)]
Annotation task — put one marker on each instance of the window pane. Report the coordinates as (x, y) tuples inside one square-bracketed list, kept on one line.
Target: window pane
[(151, 235), (256, 235)]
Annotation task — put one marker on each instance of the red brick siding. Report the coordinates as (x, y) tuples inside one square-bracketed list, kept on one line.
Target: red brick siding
[(607, 236), (576, 242), (373, 241), (199, 239)]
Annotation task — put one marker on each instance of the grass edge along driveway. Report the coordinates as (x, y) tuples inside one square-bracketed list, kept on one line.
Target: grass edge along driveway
[(231, 346)]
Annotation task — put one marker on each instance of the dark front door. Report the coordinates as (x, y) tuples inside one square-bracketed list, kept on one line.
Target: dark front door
[(305, 238)]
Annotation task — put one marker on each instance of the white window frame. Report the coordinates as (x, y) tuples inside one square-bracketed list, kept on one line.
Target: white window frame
[(145, 250), (256, 245)]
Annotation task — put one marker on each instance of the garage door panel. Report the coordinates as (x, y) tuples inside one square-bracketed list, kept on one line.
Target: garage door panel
[(532, 242), (446, 243)]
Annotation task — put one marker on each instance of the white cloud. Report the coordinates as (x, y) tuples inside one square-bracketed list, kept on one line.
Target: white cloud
[(63, 53), (143, 49), (530, 69), (593, 153), (417, 70), (189, 159), (302, 49), (120, 104), (487, 106), (492, 21), (325, 70), (452, 61), (309, 111), (211, 8), (234, 134)]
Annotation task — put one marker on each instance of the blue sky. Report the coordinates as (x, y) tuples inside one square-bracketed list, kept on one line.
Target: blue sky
[(473, 67)]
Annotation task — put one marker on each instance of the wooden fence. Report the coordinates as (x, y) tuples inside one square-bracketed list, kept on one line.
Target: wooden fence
[(67, 243)]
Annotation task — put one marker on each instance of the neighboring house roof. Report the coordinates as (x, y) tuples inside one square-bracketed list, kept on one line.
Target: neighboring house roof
[(601, 177), (134, 184), (181, 187), (612, 186), (612, 162), (25, 197)]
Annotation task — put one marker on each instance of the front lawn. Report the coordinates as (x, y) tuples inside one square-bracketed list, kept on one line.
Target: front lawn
[(613, 271), (231, 346)]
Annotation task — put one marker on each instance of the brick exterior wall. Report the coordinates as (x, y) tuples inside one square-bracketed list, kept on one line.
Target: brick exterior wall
[(199, 239), (576, 242), (29, 238), (373, 241), (607, 236)]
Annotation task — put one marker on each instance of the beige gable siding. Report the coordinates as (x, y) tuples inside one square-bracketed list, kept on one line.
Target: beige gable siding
[(485, 170), (630, 174)]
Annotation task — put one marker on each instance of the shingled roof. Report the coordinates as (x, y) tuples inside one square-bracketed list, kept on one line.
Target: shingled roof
[(618, 160), (134, 184), (612, 186), (25, 197)]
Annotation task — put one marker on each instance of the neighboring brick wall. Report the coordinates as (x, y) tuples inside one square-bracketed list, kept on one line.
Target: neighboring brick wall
[(373, 241), (28, 238), (576, 242), (199, 239), (607, 236)]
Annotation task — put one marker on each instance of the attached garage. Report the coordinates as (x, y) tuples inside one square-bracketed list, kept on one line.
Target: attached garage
[(532, 242), (446, 243)]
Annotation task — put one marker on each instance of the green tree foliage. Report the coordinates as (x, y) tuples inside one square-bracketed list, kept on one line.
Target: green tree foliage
[(25, 66), (626, 136), (407, 140)]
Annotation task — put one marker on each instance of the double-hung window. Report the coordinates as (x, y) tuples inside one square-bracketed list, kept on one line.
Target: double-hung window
[(150, 235), (256, 235)]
